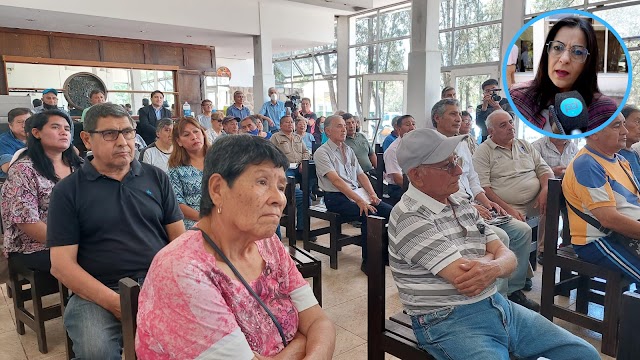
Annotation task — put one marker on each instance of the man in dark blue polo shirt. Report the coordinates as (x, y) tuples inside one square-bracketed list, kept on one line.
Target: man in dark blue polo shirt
[(14, 139), (107, 221)]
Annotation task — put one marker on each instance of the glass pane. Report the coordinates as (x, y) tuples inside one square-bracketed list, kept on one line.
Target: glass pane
[(302, 89), (327, 64), (469, 91), (394, 56), (386, 99), (365, 59), (355, 96), (282, 71), (536, 6), (632, 43), (366, 29), (444, 45), (477, 45), (445, 79), (476, 11), (623, 19), (616, 60), (634, 95), (394, 24), (324, 103), (305, 66), (446, 14), (282, 55)]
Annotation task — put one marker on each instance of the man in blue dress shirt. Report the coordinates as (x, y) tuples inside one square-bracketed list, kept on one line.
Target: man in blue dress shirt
[(14, 139), (237, 109), (272, 111)]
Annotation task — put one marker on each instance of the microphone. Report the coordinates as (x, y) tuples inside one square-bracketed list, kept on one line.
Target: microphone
[(571, 112)]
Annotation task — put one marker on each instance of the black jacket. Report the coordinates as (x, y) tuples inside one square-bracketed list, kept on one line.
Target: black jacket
[(147, 122)]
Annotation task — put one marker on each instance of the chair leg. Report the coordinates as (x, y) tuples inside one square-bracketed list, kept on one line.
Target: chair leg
[(582, 295), (317, 284), (333, 244), (36, 298), (18, 300), (612, 304)]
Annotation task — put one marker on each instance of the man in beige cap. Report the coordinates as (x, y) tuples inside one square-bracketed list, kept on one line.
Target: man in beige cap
[(445, 261)]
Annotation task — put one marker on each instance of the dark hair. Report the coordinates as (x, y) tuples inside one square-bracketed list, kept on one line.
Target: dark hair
[(489, 82), (466, 113), (446, 88), (98, 111), (157, 92), (247, 150), (543, 89), (179, 156), (316, 125), (628, 110), (35, 150), (17, 112), (96, 91), (37, 102), (347, 116), (399, 119), (206, 101)]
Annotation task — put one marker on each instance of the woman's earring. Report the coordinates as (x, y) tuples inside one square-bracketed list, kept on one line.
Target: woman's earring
[(219, 209)]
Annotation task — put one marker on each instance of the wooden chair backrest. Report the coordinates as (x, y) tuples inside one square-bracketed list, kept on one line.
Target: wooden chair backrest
[(129, 293)]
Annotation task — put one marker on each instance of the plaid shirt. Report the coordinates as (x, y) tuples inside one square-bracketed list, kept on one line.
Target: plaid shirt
[(551, 155)]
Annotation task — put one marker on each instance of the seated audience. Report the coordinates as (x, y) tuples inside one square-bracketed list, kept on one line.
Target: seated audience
[(632, 122), (96, 96), (263, 134), (347, 188), (318, 132), (215, 131), (230, 125), (515, 234), (107, 221), (139, 145), (392, 136), (48, 158), (491, 101), (249, 125), (157, 154), (603, 200), (557, 153), (271, 112), (149, 115), (360, 145), (194, 306), (50, 102), (445, 261), (301, 129), (448, 92), (14, 139), (237, 109), (465, 129), (185, 166), (205, 118), (393, 173)]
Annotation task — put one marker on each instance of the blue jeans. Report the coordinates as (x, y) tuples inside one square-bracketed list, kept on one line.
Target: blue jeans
[(338, 203), (95, 332), (492, 329), (518, 240)]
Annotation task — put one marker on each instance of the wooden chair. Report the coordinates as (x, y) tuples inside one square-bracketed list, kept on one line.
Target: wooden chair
[(628, 345), (129, 292), (336, 238), (42, 284), (395, 335), (288, 219), (593, 283), (378, 187)]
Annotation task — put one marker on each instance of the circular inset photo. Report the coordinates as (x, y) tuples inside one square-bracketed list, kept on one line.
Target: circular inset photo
[(567, 74)]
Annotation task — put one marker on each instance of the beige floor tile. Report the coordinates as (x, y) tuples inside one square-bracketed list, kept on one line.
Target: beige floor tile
[(55, 340), (7, 322), (359, 353), (10, 347), (346, 341)]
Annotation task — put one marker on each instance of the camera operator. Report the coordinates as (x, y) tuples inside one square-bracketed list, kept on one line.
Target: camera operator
[(491, 101)]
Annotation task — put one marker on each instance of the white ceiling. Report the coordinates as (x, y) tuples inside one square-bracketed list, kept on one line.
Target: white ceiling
[(235, 42)]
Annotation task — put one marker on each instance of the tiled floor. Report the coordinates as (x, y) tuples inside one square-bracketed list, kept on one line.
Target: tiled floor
[(345, 295)]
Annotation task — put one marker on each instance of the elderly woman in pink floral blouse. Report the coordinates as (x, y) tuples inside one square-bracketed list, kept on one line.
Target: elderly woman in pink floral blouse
[(48, 158), (229, 289)]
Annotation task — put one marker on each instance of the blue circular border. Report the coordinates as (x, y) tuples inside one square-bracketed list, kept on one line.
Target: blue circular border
[(611, 29)]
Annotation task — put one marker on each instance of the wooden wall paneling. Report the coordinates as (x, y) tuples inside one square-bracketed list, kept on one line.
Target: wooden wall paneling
[(188, 85), (125, 52), (200, 59), (166, 55), (77, 49), (24, 44), (3, 78)]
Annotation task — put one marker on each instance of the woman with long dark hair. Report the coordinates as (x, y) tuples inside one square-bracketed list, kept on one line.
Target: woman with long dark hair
[(49, 157), (568, 63)]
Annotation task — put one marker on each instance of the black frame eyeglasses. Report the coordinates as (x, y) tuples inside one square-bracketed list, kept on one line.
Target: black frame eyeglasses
[(451, 166), (576, 52), (112, 135)]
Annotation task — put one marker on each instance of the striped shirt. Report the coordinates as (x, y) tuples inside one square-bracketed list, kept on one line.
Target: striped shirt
[(551, 154), (424, 238)]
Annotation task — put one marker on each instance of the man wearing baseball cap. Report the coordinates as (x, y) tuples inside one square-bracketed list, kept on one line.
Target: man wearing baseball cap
[(49, 101), (445, 261)]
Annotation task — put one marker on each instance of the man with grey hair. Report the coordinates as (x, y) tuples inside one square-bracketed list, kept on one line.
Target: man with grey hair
[(632, 122), (237, 109), (445, 260), (106, 222), (515, 234), (271, 112), (158, 152), (347, 188)]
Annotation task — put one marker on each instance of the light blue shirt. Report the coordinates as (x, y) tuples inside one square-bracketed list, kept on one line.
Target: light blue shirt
[(308, 140), (240, 113), (158, 113), (274, 112)]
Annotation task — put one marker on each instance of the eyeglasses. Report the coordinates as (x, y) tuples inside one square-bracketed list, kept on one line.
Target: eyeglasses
[(451, 166), (576, 52), (112, 135)]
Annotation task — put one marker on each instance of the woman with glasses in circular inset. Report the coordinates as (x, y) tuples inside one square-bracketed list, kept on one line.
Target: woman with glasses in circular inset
[(568, 63), (185, 166)]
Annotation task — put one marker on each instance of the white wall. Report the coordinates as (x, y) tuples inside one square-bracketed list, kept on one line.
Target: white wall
[(241, 71)]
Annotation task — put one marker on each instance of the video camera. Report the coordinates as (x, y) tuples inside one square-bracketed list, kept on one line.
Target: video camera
[(293, 103)]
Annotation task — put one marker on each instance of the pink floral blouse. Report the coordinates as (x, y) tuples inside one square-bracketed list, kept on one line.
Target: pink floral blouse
[(25, 200), (189, 308)]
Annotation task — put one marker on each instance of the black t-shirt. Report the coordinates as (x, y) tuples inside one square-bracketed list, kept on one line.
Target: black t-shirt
[(118, 226)]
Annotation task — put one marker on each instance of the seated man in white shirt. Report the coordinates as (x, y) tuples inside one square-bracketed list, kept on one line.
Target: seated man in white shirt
[(393, 173)]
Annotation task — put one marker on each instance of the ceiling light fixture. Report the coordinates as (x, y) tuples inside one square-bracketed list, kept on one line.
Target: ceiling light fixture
[(189, 36), (91, 26), (31, 19)]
